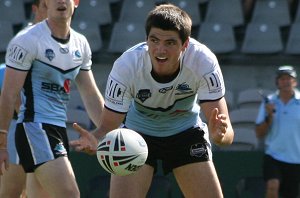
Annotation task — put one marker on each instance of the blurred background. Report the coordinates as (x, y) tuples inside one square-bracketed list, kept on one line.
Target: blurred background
[(251, 38)]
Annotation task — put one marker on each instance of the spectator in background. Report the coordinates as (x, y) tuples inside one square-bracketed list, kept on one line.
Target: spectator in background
[(14, 179), (278, 121)]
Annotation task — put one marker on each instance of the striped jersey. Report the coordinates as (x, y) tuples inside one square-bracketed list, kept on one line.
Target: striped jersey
[(163, 109), (52, 66)]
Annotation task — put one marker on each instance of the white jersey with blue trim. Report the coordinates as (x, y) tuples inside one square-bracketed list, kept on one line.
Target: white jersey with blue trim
[(51, 66), (163, 109)]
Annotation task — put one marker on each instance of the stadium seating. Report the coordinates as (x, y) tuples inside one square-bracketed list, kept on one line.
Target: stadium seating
[(191, 7), (91, 30), (262, 38), (271, 11), (13, 11), (125, 35), (229, 11), (244, 140), (7, 35), (251, 98), (219, 37), (135, 10), (293, 42), (94, 10), (243, 118)]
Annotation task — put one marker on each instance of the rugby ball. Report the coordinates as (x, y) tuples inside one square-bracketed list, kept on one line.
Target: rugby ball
[(122, 151)]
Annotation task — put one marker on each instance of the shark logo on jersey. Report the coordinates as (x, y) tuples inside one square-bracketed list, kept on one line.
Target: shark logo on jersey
[(165, 89), (183, 88), (64, 50), (49, 53), (143, 94)]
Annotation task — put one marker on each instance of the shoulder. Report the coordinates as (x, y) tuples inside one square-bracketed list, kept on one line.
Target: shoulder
[(200, 58), (297, 94), (134, 59)]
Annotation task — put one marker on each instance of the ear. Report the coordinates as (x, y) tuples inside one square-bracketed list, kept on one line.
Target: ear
[(76, 2), (186, 43)]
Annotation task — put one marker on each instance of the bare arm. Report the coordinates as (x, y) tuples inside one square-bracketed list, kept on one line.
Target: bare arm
[(90, 94), (262, 129), (13, 82), (219, 124), (88, 141)]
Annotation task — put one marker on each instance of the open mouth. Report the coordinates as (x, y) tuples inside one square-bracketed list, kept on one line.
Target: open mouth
[(161, 59)]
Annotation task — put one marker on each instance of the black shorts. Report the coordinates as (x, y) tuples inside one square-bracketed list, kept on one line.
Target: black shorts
[(288, 174), (38, 143), (174, 151)]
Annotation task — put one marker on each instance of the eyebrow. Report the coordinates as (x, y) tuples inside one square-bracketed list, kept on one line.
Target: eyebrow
[(168, 40)]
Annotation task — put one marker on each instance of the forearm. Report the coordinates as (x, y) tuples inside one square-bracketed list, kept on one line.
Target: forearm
[(94, 107), (7, 110)]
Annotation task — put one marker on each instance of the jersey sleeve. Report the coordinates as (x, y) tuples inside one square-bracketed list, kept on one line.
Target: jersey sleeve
[(206, 66), (87, 57), (21, 52), (118, 95)]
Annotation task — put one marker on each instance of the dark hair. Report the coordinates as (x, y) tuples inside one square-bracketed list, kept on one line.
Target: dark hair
[(169, 17), (36, 2)]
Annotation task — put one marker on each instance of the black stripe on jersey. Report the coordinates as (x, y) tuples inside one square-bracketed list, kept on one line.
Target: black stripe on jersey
[(59, 69), (16, 68), (29, 105), (203, 101), (114, 110), (167, 108)]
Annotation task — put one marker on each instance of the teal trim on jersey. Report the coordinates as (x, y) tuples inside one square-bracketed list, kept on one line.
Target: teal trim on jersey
[(164, 122)]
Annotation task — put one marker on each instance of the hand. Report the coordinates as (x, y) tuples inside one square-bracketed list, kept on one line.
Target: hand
[(86, 143), (217, 126)]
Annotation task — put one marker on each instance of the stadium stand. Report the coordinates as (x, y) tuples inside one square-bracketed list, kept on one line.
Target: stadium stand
[(134, 10), (293, 42), (192, 8), (219, 37), (5, 36), (92, 32), (229, 11), (13, 11), (262, 38), (126, 34), (271, 11), (94, 10)]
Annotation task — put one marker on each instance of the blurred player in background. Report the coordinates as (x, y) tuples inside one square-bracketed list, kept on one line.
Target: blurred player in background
[(156, 85), (14, 179), (278, 121), (42, 62)]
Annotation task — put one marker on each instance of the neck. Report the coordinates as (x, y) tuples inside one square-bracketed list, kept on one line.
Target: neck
[(286, 96), (59, 29), (164, 78)]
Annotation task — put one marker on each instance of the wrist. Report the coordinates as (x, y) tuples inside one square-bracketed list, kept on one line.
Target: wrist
[(268, 120)]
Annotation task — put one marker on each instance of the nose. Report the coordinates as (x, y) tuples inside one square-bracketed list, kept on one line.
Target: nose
[(161, 48)]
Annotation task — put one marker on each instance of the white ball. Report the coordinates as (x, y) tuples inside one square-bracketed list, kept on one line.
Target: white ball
[(122, 152)]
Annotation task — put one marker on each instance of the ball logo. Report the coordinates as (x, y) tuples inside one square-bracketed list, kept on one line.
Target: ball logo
[(122, 152)]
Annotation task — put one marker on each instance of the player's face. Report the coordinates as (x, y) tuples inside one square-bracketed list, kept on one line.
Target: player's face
[(165, 49), (286, 83), (40, 11), (60, 9)]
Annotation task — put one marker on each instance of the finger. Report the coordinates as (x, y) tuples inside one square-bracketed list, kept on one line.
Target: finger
[(6, 164), (79, 129), (214, 114)]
